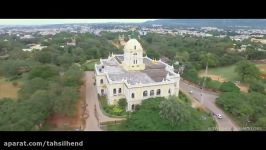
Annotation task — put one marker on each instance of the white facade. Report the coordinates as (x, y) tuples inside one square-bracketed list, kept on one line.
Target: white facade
[(135, 77)]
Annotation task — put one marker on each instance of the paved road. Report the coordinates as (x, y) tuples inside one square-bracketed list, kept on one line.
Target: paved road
[(93, 108), (224, 124)]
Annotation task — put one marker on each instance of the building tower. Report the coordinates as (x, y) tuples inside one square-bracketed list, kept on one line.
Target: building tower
[(133, 56)]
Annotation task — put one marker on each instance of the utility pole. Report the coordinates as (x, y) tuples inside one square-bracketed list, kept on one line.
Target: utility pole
[(204, 79)]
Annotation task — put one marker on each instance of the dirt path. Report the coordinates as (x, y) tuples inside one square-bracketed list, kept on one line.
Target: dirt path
[(95, 117)]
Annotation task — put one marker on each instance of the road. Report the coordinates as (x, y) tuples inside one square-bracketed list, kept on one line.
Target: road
[(208, 101), (93, 108)]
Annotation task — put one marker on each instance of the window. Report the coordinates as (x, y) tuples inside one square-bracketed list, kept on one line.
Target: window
[(119, 90), (132, 95), (136, 61), (114, 91), (145, 93), (135, 54), (101, 81), (102, 91), (152, 93), (133, 107), (135, 47), (158, 92), (169, 91)]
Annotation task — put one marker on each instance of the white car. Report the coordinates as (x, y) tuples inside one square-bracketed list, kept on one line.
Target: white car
[(219, 116), (190, 92)]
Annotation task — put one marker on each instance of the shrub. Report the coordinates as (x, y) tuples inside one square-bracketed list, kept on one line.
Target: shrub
[(15, 83), (229, 87), (122, 103), (256, 86), (209, 83)]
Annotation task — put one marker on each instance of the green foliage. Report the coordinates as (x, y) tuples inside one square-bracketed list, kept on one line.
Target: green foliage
[(72, 77), (153, 54), (229, 87), (256, 86), (44, 56), (212, 84), (65, 102), (122, 103), (209, 59), (27, 114), (247, 70), (247, 109), (112, 110), (174, 111), (147, 117), (191, 74), (11, 68), (30, 86), (43, 71)]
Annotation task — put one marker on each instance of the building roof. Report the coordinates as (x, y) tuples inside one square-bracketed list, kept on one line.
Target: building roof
[(155, 71)]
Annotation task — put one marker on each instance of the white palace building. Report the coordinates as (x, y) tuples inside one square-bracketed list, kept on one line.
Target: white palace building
[(134, 77)]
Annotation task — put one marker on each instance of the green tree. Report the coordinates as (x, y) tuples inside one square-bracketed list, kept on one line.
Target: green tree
[(247, 70), (44, 56), (174, 111), (12, 68), (209, 59), (229, 87), (65, 103), (256, 86), (122, 103), (30, 86), (72, 77), (153, 54), (43, 71), (182, 56)]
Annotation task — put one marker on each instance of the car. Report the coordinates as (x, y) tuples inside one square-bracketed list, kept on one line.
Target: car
[(219, 116), (190, 92)]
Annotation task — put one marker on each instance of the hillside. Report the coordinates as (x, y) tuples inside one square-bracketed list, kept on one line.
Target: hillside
[(209, 22)]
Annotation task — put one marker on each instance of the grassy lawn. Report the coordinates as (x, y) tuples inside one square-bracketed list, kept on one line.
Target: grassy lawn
[(227, 73), (8, 89)]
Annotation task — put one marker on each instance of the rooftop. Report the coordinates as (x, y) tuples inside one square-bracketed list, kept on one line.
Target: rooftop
[(154, 71)]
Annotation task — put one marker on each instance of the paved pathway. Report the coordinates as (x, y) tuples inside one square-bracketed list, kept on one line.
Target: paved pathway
[(209, 98), (93, 108)]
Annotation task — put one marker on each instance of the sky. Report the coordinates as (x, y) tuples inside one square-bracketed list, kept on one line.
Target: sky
[(64, 21)]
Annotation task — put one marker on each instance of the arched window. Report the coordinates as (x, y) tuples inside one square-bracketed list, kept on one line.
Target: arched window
[(136, 61), (158, 92), (135, 47), (101, 81), (135, 54), (119, 90), (114, 91), (133, 107), (152, 93), (145, 93), (132, 95), (102, 91), (169, 91)]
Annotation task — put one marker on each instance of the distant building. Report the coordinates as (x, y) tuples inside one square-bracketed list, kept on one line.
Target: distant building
[(34, 46), (27, 37), (72, 43), (142, 32)]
